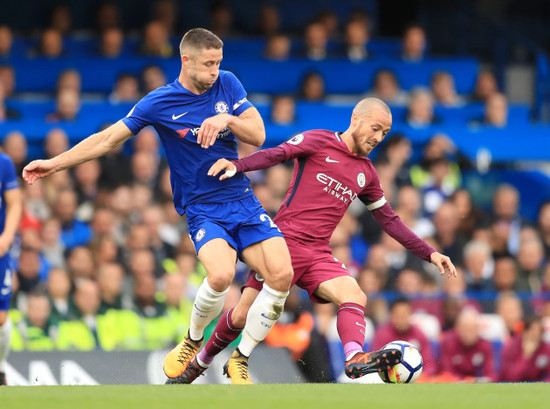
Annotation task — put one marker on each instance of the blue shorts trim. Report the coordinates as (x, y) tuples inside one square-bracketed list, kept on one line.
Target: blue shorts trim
[(6, 271), (240, 223)]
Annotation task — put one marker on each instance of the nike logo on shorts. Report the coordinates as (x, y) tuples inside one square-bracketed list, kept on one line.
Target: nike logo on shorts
[(174, 116)]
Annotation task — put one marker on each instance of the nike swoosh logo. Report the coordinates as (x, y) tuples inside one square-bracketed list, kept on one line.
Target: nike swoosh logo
[(331, 160), (174, 116)]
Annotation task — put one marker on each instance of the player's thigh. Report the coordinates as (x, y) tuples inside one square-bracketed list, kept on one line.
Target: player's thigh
[(218, 258), (340, 290), (271, 259), (239, 313)]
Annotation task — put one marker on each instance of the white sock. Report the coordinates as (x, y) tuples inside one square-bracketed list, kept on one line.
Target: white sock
[(5, 334), (208, 305), (262, 315)]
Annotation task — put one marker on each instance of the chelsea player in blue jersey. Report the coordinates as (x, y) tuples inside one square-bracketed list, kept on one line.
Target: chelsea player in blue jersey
[(199, 118), (11, 208)]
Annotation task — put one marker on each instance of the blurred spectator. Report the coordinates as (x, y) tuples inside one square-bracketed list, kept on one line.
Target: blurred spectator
[(61, 19), (269, 21), (153, 218), (166, 12), (386, 87), (312, 87), (530, 265), (103, 222), (397, 150), (449, 240), (56, 142), (420, 112), (107, 16), (115, 169), (74, 232), (156, 40), (329, 20), (465, 355), (357, 37), (52, 246), (505, 274), (147, 140), (104, 250), (126, 89), (28, 270), (526, 358), (436, 190), (444, 91), (478, 265), (496, 110), (67, 106), (144, 298), (141, 264), (221, 19), (86, 186), (152, 77), (69, 79), (6, 41), (506, 221), (509, 307), (144, 168), (283, 110), (400, 327), (469, 215), (6, 112), (59, 289), (36, 330), (51, 44), (414, 44), (109, 279), (36, 207), (315, 42), (112, 42), (7, 78), (15, 146), (277, 47), (80, 264), (543, 225), (408, 209), (486, 86), (178, 304)]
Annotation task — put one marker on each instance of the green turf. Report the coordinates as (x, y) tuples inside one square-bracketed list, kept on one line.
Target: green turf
[(422, 396)]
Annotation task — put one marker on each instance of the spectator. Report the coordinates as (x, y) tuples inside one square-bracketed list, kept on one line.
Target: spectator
[(156, 41), (6, 41), (436, 191), (278, 47), (126, 89), (115, 169), (420, 112), (61, 19), (74, 232), (543, 225), (315, 42), (509, 307), (465, 355), (221, 19), (478, 265), (56, 142), (67, 106), (530, 265), (400, 327), (312, 87), (69, 79), (7, 78), (179, 306), (51, 44), (486, 86), (52, 247), (166, 12), (141, 264), (6, 112), (269, 21), (506, 221), (112, 42), (496, 110), (107, 16), (145, 301), (36, 331), (147, 140), (59, 289), (357, 37), (408, 208), (109, 279), (443, 90), (15, 146), (104, 250), (152, 77), (86, 187), (283, 110), (526, 358), (329, 20), (80, 264), (144, 168), (28, 270), (386, 87), (153, 218), (469, 215), (505, 274), (414, 44), (446, 234)]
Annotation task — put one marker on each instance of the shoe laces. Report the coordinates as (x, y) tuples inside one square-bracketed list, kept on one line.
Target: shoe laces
[(186, 351), (242, 368)]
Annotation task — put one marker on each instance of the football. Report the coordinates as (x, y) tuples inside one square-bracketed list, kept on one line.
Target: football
[(410, 367)]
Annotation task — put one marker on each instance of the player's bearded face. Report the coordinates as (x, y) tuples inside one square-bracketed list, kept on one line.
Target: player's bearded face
[(370, 130), (204, 68)]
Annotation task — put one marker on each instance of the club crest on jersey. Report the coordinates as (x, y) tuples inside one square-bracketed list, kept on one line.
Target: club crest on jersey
[(221, 107), (361, 179), (298, 139), (200, 235)]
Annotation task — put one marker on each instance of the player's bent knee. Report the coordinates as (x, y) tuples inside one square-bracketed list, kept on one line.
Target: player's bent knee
[(220, 281), (280, 280)]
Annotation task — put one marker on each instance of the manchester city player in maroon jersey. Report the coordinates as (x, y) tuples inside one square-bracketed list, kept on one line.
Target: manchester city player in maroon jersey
[(331, 170), (199, 118)]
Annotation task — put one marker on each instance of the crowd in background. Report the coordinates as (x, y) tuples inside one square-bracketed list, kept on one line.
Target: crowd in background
[(104, 260)]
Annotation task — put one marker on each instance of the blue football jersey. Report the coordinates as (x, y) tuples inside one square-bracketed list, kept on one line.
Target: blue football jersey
[(8, 181), (177, 114)]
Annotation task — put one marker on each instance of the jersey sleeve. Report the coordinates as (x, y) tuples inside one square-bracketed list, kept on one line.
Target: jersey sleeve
[(373, 195), (141, 115), (240, 101), (302, 145), (9, 176)]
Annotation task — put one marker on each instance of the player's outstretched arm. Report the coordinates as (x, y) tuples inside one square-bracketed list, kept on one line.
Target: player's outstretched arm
[(92, 147), (444, 264), (248, 127)]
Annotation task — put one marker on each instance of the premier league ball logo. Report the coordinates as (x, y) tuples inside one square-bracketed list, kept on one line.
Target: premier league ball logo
[(297, 139), (221, 107)]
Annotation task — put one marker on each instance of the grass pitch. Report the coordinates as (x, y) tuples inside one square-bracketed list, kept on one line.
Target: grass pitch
[(333, 396)]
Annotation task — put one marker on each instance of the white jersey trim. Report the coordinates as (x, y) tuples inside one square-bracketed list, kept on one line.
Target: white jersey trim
[(337, 136), (378, 204), (239, 103)]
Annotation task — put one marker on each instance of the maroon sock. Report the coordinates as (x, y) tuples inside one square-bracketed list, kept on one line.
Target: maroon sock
[(350, 323), (224, 334)]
